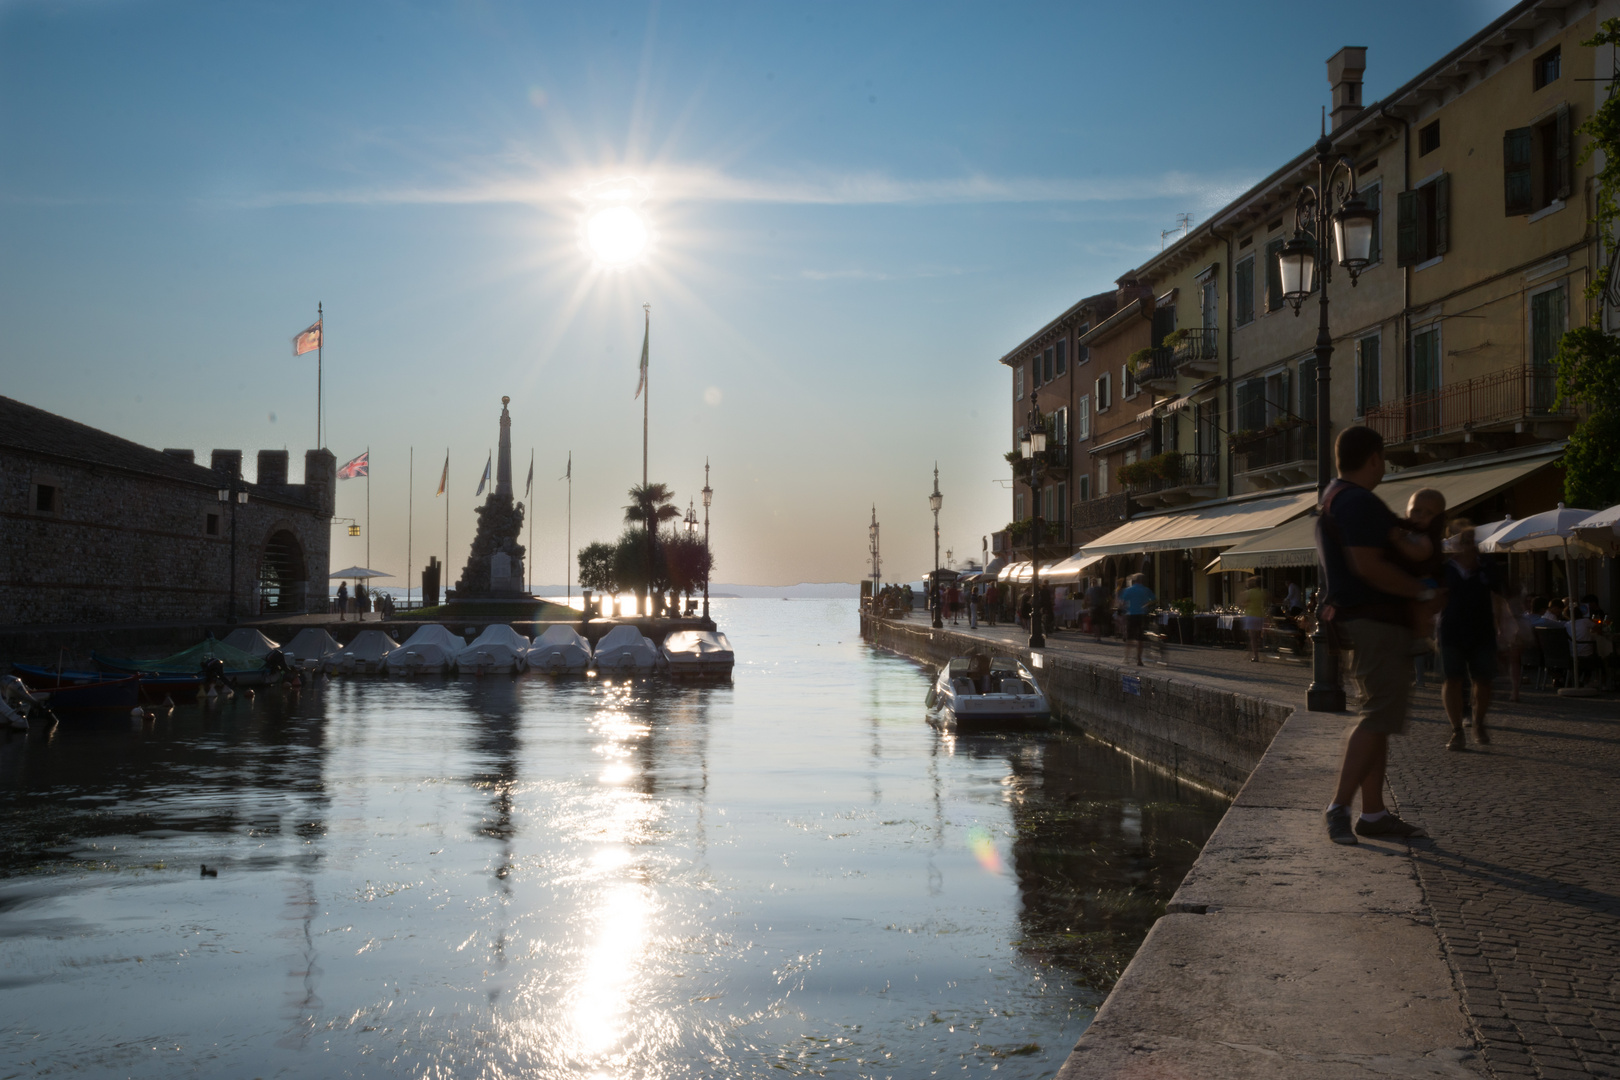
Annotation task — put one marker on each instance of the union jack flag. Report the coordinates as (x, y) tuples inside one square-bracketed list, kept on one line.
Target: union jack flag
[(360, 466)]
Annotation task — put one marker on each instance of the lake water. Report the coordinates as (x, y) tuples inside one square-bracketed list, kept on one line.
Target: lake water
[(492, 878)]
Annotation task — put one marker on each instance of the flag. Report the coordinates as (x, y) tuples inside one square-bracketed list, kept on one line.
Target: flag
[(360, 466), (642, 383), (528, 488), (484, 480), (444, 477), (309, 340), (569, 475)]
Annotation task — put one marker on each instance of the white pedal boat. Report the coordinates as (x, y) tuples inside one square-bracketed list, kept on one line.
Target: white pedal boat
[(367, 654), (498, 649), (626, 650), (560, 651), (309, 649), (431, 650), (987, 692), (699, 654)]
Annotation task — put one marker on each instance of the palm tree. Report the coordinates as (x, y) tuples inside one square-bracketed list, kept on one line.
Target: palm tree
[(649, 505)]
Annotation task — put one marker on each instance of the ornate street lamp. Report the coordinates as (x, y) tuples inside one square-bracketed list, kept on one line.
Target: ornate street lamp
[(934, 502), (236, 495), (708, 496), (1033, 448), (1299, 264)]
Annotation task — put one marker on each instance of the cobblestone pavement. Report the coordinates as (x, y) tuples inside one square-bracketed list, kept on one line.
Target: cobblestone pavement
[(1522, 871)]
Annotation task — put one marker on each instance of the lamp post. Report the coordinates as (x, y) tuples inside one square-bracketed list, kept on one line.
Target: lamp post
[(1317, 207), (934, 502), (872, 546), (236, 495), (708, 496), (1033, 448)]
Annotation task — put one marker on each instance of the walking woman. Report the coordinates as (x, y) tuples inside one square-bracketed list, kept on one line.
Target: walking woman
[(1256, 602)]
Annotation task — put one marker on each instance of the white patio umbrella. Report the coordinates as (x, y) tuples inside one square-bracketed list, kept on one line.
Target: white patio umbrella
[(1602, 530), (1551, 531), (356, 573)]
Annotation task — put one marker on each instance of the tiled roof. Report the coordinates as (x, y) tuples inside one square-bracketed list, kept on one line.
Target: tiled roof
[(31, 430)]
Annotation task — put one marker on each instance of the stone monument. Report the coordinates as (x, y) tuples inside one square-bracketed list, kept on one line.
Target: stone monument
[(494, 567)]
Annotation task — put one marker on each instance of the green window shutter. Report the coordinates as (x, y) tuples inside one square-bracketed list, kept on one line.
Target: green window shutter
[(1565, 177), (1274, 296), (1406, 229), (1439, 243), (1517, 188), (1374, 199), (1245, 292)]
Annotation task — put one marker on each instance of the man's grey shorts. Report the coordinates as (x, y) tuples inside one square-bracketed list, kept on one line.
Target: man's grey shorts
[(1381, 664)]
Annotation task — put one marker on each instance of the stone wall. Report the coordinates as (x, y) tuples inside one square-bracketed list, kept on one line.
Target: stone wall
[(1210, 736), (123, 546)]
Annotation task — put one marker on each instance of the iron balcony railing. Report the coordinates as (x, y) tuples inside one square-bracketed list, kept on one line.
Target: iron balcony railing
[(1199, 344), (1297, 443), (1501, 397), (1162, 365), (1193, 470), (1103, 511)]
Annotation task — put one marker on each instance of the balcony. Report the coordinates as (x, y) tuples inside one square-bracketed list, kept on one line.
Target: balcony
[(1494, 411), (1172, 478), (1156, 369), (1278, 458), (1198, 353), (1093, 517)]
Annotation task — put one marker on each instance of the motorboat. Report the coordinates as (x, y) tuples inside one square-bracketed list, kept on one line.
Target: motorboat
[(498, 649), (699, 654), (250, 641), (561, 650), (431, 649), (81, 691), (365, 655), (624, 649), (984, 691), (309, 648), (210, 655)]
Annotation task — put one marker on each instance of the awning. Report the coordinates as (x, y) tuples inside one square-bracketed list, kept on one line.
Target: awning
[(1213, 525), (1012, 571), (1070, 570), (1176, 404), (1115, 444), (1294, 544)]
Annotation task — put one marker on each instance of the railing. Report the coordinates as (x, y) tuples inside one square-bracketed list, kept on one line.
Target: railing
[(1103, 511), (1199, 344), (1520, 393), (1297, 443), (1161, 366), (1193, 470)]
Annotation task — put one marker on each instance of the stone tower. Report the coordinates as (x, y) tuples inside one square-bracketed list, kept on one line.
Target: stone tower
[(495, 563)]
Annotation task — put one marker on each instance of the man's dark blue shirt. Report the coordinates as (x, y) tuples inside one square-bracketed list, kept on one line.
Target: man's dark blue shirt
[(1468, 620), (1363, 521)]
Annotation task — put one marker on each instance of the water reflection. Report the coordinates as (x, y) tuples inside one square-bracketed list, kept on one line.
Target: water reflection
[(498, 877)]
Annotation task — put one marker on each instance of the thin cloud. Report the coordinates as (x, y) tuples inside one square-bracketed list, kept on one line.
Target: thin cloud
[(855, 274)]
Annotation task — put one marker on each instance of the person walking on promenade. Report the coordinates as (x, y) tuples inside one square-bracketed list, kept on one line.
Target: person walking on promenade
[(342, 599), (1096, 608), (1135, 598), (1256, 602), (1467, 633), (360, 605), (973, 607), (992, 599), (1367, 608)]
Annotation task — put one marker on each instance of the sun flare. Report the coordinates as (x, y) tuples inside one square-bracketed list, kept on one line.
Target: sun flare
[(616, 236)]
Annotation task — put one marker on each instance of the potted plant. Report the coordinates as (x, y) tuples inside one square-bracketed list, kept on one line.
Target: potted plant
[(1140, 362), (1175, 339)]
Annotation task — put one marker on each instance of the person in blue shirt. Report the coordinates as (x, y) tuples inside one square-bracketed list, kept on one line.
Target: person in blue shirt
[(1367, 607), (1136, 599)]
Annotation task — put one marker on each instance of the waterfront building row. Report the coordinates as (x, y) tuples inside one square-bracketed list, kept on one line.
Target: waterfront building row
[(1193, 383)]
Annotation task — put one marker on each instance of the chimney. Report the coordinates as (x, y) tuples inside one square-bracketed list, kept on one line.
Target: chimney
[(188, 456), (1344, 75), (228, 462), (272, 467), (1130, 291)]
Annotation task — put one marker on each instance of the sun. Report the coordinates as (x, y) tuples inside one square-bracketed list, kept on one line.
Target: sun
[(616, 236)]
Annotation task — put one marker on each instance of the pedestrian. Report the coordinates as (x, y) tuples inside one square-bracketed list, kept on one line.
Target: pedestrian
[(1467, 633), (973, 607), (953, 601), (992, 598), (360, 605), (1256, 602), (342, 599), (1096, 608), (1366, 610), (1135, 598), (1025, 606), (1294, 602)]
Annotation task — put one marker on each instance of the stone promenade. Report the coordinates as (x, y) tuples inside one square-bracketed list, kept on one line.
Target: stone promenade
[(1521, 873)]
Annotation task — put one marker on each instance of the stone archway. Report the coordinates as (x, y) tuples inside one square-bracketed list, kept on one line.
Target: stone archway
[(283, 578)]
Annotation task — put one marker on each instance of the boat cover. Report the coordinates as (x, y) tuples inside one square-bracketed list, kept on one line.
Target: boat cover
[(433, 646), (625, 647), (311, 643), (499, 647), (698, 646), (251, 642), (369, 648), (190, 661), (560, 648)]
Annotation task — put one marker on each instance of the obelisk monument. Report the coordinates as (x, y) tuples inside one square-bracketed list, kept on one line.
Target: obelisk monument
[(495, 563)]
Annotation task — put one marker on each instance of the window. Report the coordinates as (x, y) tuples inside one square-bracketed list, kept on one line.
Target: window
[(1018, 507), (1082, 490), (1060, 503), (1063, 356), (45, 498), (1018, 382), (1206, 427), (1546, 68), (212, 526), (1082, 418), (1368, 378), (1208, 303), (1244, 288), (1050, 371), (1164, 323), (1046, 502), (1102, 477), (1082, 352), (1536, 167), (1127, 381), (1428, 138), (1251, 405), (1274, 297), (1373, 196), (1060, 428), (1424, 374), (1424, 226), (1549, 317), (1307, 389), (1104, 390)]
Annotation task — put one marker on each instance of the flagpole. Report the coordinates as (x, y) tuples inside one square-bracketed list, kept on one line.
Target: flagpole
[(568, 541), (368, 508), (320, 356), (528, 497), (445, 573), (410, 523), (646, 387)]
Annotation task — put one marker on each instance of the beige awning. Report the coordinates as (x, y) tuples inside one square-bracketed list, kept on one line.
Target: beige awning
[(1070, 570), (1213, 525), (1294, 544)]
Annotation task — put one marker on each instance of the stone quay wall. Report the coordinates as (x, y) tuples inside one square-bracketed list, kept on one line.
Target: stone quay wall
[(1210, 736), (122, 545)]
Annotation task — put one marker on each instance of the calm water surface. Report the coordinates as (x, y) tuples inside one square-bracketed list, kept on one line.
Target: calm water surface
[(575, 879)]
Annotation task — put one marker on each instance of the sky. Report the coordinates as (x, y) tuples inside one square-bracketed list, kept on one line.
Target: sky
[(854, 211)]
